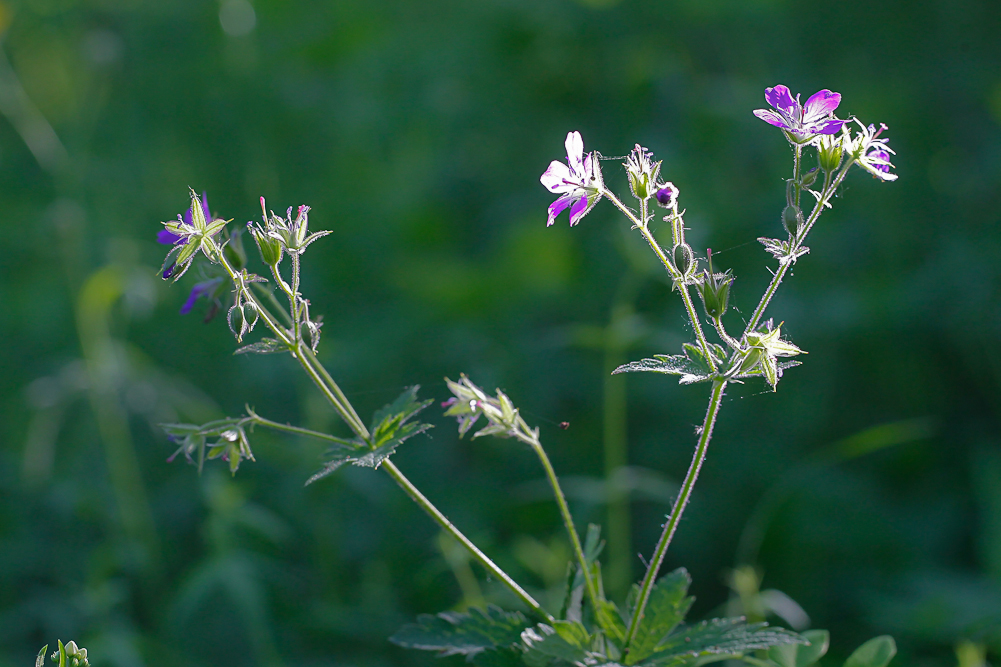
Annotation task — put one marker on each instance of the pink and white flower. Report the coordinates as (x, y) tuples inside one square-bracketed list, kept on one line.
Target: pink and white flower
[(578, 182)]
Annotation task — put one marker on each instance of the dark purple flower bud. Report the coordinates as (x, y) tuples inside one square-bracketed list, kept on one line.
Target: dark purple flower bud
[(666, 195)]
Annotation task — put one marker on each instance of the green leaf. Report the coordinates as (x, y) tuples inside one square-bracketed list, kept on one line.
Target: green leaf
[(720, 636), (565, 642), (390, 428), (406, 404), (608, 617), (501, 657), (453, 633), (263, 346), (801, 655), (877, 652), (665, 609), (693, 366)]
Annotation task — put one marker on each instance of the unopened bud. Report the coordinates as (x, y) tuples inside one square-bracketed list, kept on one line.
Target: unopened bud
[(667, 195), (829, 154), (237, 321), (683, 258), (270, 248), (792, 220), (810, 177)]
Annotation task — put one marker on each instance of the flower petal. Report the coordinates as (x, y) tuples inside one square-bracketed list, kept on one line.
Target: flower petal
[(166, 237), (575, 148), (578, 211), (205, 206), (832, 126), (555, 178), (557, 207), (772, 118), (780, 98), (820, 104)]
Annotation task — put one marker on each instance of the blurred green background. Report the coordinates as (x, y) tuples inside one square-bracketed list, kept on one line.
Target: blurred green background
[(868, 489)]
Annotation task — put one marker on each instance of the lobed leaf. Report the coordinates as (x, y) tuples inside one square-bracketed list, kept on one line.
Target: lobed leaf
[(720, 636), (693, 366), (665, 610), (467, 634), (390, 428), (562, 643)]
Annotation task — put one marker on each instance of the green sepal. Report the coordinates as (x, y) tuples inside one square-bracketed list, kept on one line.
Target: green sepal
[(665, 610), (720, 636), (877, 652), (40, 660), (452, 633), (802, 655)]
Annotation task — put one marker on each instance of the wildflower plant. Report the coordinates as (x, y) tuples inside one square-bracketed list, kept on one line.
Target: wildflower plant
[(647, 628)]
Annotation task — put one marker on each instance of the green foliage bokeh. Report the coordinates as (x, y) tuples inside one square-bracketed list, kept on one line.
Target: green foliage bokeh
[(417, 131)]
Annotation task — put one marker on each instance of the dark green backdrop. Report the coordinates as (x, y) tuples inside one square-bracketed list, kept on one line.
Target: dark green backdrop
[(868, 489)]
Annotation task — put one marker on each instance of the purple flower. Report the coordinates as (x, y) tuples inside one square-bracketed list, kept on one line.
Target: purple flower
[(198, 291), (167, 237), (578, 182), (802, 122)]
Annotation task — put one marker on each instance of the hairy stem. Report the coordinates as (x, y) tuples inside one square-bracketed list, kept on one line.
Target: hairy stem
[(532, 439), (679, 507), (682, 288), (830, 187)]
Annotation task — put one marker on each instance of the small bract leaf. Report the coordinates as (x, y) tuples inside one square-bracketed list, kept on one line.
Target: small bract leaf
[(263, 346)]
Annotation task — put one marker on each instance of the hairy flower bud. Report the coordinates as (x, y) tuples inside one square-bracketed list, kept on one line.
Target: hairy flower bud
[(829, 152), (792, 220), (667, 195), (683, 258), (714, 288), (269, 247), (809, 178)]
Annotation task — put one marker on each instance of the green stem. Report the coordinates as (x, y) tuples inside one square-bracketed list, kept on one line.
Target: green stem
[(829, 189), (273, 300), (447, 525), (255, 418), (685, 296), (332, 392), (682, 287), (561, 501), (679, 507)]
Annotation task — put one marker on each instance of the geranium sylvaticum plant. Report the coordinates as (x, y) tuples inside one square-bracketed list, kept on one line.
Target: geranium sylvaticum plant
[(647, 628)]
